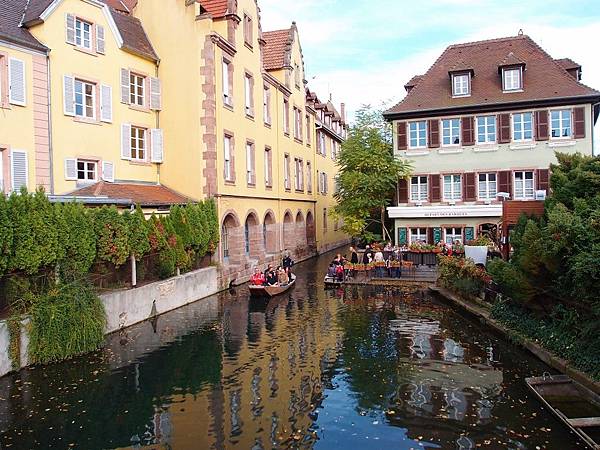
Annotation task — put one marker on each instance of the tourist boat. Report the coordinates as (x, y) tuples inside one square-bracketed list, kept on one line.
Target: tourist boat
[(574, 404), (271, 291), (332, 282)]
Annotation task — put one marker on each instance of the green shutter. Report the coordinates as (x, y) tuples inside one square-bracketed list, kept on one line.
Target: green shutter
[(402, 236), (469, 234), (437, 235)]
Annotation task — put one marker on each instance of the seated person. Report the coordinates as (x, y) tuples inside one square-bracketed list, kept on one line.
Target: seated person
[(282, 276), (268, 269), (339, 271), (332, 272), (258, 279), (272, 278)]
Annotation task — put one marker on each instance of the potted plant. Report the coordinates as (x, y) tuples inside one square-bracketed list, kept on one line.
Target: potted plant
[(477, 249)]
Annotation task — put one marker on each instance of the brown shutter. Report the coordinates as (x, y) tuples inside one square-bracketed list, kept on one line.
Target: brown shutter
[(403, 191), (433, 130), (503, 128), (504, 182), (402, 143), (543, 180), (468, 133), (430, 235), (541, 125), (579, 123), (470, 190), (435, 193)]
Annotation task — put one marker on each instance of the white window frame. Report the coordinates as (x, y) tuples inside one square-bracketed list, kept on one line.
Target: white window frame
[(456, 234), (139, 135), (561, 123), (419, 126), (249, 163), (86, 163), (286, 171), (267, 104), (451, 125), (461, 85), (512, 83), (488, 121), (227, 95), (455, 192), (419, 191), (286, 116), (80, 34), (249, 107), (521, 121), (490, 187), (227, 158), (418, 234), (527, 193), (83, 85), (137, 81), (268, 164)]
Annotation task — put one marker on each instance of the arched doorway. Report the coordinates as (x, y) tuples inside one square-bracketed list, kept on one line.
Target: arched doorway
[(311, 232), (231, 242), (300, 230), (288, 231), (252, 237), (269, 233)]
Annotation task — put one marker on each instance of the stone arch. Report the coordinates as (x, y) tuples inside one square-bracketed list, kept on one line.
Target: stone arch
[(252, 236), (311, 232), (300, 230), (289, 231), (231, 239), (269, 233)]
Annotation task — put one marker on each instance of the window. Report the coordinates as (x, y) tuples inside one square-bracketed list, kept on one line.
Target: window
[(452, 187), (461, 85), (325, 219), (286, 172), (322, 144), (247, 238), (248, 30), (297, 123), (511, 79), (453, 235), (250, 163), (86, 170), (249, 98), (524, 187), (417, 132), (333, 149), (418, 189), (85, 99), (297, 75), (83, 34), (225, 241), (522, 127), (488, 187), (486, 129), (418, 235), (136, 89), (268, 167), (267, 105), (227, 148), (560, 123), (308, 133), (309, 177), (227, 99), (298, 174), (138, 143), (451, 132), (286, 116)]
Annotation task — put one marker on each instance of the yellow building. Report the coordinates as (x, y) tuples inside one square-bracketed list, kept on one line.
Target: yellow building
[(24, 116)]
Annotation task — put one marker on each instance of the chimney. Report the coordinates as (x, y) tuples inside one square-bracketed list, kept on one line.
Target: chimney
[(343, 111)]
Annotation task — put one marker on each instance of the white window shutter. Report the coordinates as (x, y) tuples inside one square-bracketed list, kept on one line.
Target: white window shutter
[(16, 82), (70, 169), (18, 169), (69, 95), (70, 29), (100, 42), (108, 171), (156, 136), (125, 86), (155, 94), (105, 103), (126, 141)]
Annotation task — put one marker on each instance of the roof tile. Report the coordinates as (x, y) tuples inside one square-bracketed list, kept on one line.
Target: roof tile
[(11, 13), (142, 194), (277, 45), (216, 8)]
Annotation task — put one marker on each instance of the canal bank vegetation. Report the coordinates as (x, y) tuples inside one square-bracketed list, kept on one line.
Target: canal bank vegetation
[(54, 258), (368, 175)]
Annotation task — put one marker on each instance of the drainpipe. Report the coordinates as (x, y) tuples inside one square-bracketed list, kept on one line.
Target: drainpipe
[(50, 149), (157, 112)]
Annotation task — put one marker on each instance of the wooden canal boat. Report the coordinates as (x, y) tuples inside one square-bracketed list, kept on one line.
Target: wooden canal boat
[(332, 282), (271, 291), (574, 404)]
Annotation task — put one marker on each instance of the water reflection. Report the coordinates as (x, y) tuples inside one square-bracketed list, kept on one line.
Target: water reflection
[(367, 368)]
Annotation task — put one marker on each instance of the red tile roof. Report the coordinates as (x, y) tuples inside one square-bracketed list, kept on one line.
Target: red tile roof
[(132, 193), (278, 45), (11, 13), (544, 78), (216, 8), (134, 36), (568, 63)]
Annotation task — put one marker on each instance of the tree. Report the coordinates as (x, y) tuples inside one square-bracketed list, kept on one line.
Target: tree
[(368, 174)]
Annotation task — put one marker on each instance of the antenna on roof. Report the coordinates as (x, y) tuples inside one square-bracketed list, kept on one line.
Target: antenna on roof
[(520, 33)]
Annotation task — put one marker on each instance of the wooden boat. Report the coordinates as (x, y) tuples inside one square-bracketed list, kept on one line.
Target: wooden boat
[(332, 282), (271, 291), (574, 404)]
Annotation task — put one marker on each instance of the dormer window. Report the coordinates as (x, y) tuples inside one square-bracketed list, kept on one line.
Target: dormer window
[(461, 84), (512, 79)]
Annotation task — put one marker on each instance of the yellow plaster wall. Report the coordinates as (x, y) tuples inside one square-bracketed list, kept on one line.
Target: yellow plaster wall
[(101, 141)]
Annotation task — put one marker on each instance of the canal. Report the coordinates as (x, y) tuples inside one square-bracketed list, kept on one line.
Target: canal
[(367, 368)]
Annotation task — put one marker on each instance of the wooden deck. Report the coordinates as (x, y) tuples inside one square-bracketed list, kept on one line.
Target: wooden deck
[(421, 275)]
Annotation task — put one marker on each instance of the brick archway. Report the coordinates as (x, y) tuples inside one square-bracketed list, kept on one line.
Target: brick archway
[(289, 232), (269, 233), (253, 242), (232, 246), (300, 230), (311, 232)]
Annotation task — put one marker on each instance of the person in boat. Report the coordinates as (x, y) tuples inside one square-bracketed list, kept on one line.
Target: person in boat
[(258, 279), (282, 276), (271, 278), (332, 271), (267, 270), (353, 256), (339, 272), (367, 255), (379, 260)]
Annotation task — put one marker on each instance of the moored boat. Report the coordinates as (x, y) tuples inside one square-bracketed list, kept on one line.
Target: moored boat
[(271, 291), (332, 282), (575, 405)]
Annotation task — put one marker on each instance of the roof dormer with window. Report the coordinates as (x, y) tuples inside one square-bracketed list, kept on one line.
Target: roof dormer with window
[(460, 78), (512, 69)]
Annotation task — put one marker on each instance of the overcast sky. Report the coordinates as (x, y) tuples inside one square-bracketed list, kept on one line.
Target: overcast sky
[(363, 51)]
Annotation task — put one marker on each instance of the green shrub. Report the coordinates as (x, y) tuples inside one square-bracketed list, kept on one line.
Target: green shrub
[(138, 230), (511, 282), (77, 238), (6, 235), (462, 275), (112, 232)]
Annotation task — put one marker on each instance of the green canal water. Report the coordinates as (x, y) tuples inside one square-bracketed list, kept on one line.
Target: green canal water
[(364, 368)]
